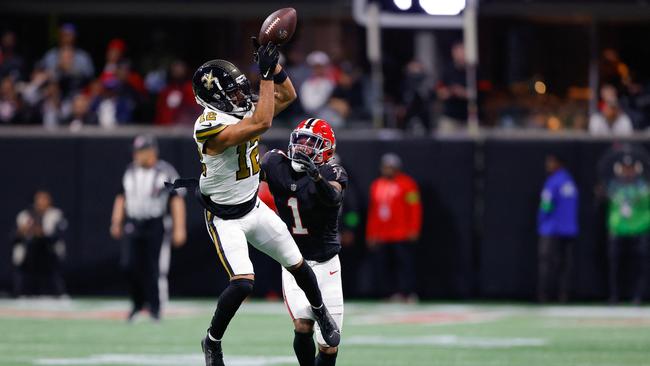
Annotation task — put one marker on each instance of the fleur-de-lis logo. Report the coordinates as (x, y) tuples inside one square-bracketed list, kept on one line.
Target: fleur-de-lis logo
[(207, 80)]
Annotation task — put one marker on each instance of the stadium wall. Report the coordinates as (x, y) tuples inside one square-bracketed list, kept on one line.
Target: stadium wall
[(480, 197)]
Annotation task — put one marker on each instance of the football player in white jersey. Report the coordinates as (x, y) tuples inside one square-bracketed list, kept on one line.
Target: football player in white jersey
[(227, 135)]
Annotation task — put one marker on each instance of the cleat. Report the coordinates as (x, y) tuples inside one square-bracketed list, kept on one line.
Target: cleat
[(328, 328), (212, 352), (133, 316)]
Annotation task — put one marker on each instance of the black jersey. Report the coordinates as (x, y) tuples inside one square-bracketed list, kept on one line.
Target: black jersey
[(313, 225)]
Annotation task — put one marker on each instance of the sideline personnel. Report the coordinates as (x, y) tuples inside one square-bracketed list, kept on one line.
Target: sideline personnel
[(138, 218)]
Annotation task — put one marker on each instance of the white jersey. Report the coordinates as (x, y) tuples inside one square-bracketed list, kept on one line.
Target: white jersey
[(232, 177)]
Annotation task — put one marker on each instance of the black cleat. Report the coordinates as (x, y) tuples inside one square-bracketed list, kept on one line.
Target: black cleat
[(328, 328), (212, 352)]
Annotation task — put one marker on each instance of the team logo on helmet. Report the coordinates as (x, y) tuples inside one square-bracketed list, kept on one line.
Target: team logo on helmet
[(208, 79)]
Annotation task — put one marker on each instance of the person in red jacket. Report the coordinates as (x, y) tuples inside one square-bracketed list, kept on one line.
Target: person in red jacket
[(393, 228)]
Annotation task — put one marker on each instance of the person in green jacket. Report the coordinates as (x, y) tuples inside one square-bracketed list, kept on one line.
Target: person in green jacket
[(628, 222)]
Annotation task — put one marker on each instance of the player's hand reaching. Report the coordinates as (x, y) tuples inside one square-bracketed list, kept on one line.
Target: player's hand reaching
[(307, 164), (266, 57)]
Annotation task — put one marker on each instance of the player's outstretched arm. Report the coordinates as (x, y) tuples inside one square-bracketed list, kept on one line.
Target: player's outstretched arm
[(285, 93), (261, 119), (330, 192)]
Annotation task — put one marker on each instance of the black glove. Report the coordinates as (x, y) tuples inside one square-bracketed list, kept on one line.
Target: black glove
[(307, 164), (266, 57), (326, 192)]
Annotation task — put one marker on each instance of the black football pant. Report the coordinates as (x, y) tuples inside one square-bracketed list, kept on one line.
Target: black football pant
[(554, 267), (140, 261), (639, 247), (394, 268)]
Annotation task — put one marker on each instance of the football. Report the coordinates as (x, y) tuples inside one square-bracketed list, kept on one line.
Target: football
[(278, 27)]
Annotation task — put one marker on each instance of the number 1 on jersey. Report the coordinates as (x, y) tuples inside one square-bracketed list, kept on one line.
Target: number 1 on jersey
[(298, 228)]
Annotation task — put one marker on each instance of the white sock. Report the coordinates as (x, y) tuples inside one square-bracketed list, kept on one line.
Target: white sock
[(212, 338)]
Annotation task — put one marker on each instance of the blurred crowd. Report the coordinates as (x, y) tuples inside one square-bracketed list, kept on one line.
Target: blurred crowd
[(622, 105), (64, 88)]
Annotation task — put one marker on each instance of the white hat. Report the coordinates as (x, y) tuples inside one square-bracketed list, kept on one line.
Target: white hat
[(318, 58)]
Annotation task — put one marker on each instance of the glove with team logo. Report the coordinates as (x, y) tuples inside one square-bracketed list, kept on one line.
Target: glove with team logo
[(266, 57), (308, 165)]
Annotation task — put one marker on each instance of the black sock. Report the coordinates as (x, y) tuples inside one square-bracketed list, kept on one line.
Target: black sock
[(325, 359), (306, 280), (303, 345), (229, 301)]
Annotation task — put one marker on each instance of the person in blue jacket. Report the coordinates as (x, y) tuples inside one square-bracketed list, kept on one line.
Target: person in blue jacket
[(557, 226)]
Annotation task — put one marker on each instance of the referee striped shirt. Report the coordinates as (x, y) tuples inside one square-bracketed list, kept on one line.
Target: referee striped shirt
[(144, 190)]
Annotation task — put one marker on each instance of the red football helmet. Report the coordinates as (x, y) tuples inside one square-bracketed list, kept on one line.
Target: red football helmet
[(315, 138)]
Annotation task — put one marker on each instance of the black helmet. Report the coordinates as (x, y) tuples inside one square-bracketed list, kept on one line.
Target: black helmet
[(220, 86)]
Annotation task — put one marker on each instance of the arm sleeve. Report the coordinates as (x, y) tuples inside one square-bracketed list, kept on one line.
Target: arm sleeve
[(326, 192), (414, 206)]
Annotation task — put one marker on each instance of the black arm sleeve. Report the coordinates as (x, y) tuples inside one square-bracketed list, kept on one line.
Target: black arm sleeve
[(327, 193)]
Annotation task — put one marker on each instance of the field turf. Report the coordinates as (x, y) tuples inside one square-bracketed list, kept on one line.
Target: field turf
[(93, 332)]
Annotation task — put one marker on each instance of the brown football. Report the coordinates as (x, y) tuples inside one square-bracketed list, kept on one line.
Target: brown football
[(278, 27)]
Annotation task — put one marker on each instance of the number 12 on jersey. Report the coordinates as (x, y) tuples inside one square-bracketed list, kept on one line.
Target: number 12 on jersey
[(297, 228)]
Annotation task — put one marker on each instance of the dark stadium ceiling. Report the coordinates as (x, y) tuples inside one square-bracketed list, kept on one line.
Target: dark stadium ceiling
[(195, 8), (243, 9)]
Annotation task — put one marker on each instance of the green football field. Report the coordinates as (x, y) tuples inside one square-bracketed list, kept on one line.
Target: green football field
[(93, 332)]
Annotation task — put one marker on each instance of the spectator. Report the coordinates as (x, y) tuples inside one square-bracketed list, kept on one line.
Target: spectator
[(70, 80), (628, 222), (416, 92), (116, 104), (52, 108), (114, 55), (297, 67), (348, 99), (557, 226), (82, 64), (316, 91), (39, 249), (81, 113), (452, 90), (176, 101), (393, 228), (610, 121), (11, 64), (33, 91), (12, 108)]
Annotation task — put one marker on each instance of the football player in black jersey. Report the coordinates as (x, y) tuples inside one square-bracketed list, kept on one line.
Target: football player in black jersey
[(308, 192)]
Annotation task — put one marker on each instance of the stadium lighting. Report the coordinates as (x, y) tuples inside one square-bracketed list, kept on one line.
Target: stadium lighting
[(403, 4), (442, 7)]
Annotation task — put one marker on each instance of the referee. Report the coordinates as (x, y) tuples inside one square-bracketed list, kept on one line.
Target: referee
[(139, 213)]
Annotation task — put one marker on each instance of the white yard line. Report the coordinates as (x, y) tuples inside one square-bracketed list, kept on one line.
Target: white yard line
[(446, 341), (164, 360)]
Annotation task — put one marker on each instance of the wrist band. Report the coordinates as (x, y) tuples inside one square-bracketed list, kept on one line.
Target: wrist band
[(280, 77)]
